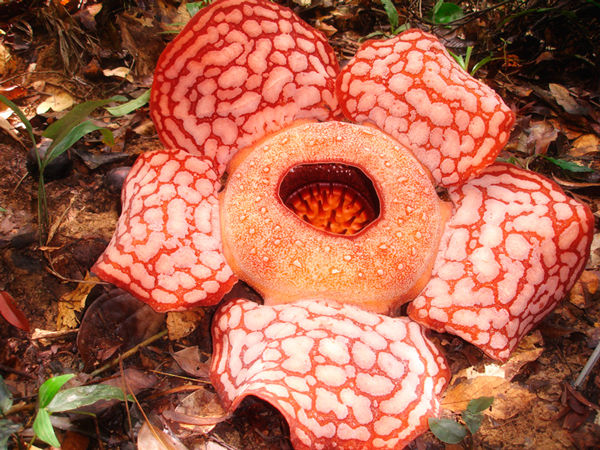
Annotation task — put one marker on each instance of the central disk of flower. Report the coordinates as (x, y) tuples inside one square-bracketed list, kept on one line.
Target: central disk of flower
[(332, 197), (331, 211)]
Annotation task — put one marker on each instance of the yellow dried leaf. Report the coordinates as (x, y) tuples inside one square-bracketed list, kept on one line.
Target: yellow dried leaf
[(58, 102), (510, 398), (72, 303), (182, 323), (585, 144), (120, 72)]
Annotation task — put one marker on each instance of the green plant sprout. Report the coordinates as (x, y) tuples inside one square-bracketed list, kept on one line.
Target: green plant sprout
[(52, 400), (464, 62), (452, 432), (64, 133)]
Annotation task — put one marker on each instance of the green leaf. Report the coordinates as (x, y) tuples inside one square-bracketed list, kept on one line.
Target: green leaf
[(194, 7), (131, 105), (43, 428), (5, 397), (21, 116), (473, 420), (568, 165), (447, 12), (480, 64), (392, 14), (59, 129), (80, 396), (49, 389), (7, 428), (447, 430), (459, 59), (478, 405), (58, 147)]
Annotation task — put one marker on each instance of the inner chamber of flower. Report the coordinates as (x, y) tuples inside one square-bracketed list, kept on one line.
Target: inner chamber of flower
[(333, 197)]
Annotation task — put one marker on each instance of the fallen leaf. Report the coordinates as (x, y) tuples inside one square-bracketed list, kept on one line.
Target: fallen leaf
[(153, 438), (564, 98), (529, 350), (588, 282), (541, 135), (115, 321), (72, 303), (58, 102), (190, 360), (120, 72), (6, 126), (510, 398), (12, 313), (585, 144), (182, 323), (5, 60), (197, 414)]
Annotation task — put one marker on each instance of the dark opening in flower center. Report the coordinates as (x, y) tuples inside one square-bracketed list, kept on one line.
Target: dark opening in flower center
[(333, 197)]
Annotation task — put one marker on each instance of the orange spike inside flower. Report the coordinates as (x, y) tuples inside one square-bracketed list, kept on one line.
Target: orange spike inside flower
[(331, 207), (330, 197)]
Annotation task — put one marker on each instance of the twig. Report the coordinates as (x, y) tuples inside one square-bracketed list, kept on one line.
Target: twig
[(17, 372), (588, 367), (128, 353)]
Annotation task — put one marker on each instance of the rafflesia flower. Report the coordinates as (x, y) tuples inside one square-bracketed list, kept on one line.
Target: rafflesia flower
[(337, 224)]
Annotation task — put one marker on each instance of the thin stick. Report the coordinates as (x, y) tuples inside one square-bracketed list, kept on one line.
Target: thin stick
[(128, 353), (587, 368)]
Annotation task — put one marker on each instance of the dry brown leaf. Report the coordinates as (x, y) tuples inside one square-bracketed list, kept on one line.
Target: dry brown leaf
[(152, 438), (180, 324), (6, 62), (529, 350), (510, 398), (541, 135), (563, 98), (6, 126), (588, 281), (72, 303), (585, 144), (119, 72), (197, 414), (191, 362)]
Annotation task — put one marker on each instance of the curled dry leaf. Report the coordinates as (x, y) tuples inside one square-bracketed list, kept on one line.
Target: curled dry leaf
[(152, 438), (191, 361), (197, 414), (115, 321)]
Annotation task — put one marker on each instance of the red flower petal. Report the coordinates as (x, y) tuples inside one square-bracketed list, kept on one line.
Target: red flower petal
[(411, 88), (514, 247), (240, 70), (342, 377), (166, 250)]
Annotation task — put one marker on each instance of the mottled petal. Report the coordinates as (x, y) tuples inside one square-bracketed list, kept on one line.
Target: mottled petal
[(239, 70), (167, 250), (514, 247), (413, 89), (342, 377)]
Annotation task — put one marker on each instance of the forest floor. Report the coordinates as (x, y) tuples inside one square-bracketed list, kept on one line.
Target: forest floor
[(546, 65)]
